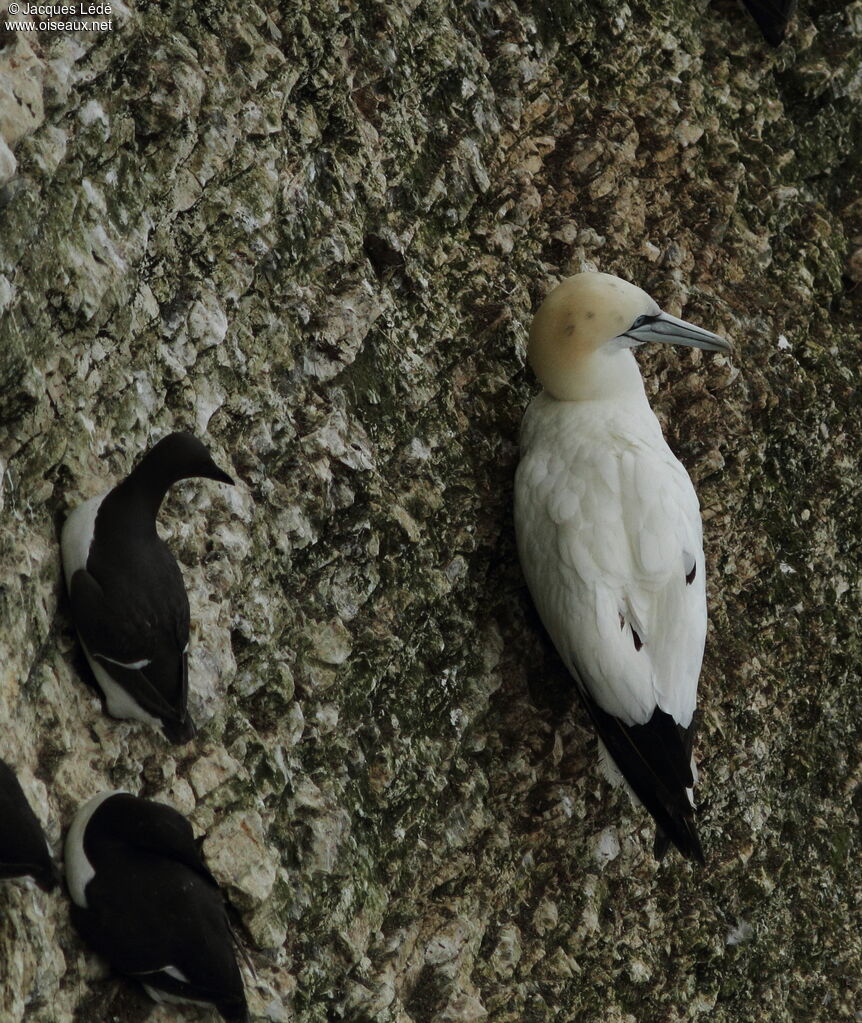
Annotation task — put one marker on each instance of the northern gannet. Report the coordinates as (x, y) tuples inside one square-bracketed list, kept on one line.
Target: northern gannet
[(609, 537)]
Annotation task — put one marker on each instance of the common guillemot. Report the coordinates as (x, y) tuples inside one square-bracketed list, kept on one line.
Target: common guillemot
[(144, 900), (128, 599)]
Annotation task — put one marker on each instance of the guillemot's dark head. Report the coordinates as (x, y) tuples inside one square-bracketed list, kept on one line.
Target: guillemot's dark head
[(180, 456)]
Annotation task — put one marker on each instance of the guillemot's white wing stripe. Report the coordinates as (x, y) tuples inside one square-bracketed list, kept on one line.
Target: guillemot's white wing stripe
[(121, 704), (163, 998), (134, 666)]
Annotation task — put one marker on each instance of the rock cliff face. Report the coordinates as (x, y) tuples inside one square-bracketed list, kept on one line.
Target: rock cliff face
[(314, 233)]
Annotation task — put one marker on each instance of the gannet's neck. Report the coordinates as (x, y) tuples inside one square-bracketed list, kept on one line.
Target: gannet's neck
[(609, 373)]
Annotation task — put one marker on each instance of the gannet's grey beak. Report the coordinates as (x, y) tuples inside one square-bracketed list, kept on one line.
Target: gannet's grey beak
[(669, 330)]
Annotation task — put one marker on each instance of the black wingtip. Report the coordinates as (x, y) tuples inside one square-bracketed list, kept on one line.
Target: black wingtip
[(179, 732), (695, 848), (655, 759), (684, 838)]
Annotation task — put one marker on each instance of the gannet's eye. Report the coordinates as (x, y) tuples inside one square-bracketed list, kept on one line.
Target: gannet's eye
[(640, 321)]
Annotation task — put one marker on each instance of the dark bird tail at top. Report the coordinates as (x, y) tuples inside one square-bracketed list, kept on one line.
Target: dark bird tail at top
[(772, 17)]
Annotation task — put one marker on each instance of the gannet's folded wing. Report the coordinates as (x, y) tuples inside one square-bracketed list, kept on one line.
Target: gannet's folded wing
[(611, 549)]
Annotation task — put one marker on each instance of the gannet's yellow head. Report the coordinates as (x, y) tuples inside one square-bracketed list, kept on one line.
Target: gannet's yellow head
[(588, 320)]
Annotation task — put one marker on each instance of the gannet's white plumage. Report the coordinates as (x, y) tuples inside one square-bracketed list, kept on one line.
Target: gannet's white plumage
[(609, 536)]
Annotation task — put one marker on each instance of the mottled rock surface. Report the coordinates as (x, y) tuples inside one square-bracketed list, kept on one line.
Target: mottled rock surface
[(314, 233)]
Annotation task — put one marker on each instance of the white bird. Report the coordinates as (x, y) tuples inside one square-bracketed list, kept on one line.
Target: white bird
[(610, 540)]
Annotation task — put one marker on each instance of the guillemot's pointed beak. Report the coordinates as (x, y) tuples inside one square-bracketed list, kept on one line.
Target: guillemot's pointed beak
[(670, 330), (217, 474), (223, 477)]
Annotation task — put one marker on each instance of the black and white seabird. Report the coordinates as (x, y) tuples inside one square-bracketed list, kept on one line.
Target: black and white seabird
[(144, 900), (24, 849), (772, 17), (609, 536), (127, 594)]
